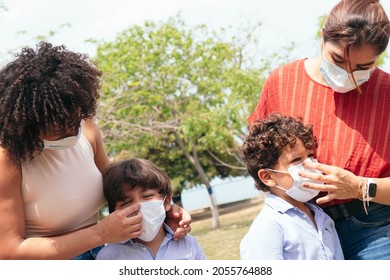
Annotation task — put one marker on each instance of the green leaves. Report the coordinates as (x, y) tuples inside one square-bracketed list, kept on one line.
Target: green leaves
[(177, 96)]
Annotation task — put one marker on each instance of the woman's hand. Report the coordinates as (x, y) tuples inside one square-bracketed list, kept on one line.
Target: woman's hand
[(339, 183), (179, 220), (122, 224)]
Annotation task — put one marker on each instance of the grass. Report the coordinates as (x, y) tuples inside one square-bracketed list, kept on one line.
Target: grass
[(235, 219)]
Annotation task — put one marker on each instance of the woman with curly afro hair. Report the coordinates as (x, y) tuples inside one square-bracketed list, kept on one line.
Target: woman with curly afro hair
[(51, 159)]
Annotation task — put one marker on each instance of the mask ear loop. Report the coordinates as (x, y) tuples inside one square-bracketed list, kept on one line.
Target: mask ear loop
[(280, 188), (280, 171), (164, 200)]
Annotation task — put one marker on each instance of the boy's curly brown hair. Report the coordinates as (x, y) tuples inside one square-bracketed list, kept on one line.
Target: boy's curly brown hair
[(41, 88), (266, 140)]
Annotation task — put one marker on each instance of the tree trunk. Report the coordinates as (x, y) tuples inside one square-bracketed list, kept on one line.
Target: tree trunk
[(213, 208), (194, 160)]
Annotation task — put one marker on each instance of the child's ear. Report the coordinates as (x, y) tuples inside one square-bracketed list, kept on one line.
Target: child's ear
[(167, 203), (265, 176)]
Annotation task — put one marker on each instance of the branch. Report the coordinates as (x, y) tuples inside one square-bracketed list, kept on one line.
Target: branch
[(224, 163)]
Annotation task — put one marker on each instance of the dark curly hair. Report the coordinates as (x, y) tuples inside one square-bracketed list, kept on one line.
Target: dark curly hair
[(266, 140), (133, 173), (41, 88)]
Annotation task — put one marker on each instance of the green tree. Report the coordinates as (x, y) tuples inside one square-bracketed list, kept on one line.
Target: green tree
[(179, 97)]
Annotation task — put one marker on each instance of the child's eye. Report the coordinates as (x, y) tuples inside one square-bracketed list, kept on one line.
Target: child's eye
[(296, 159), (127, 202)]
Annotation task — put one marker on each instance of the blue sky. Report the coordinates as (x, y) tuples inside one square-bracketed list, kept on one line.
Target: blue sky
[(284, 21)]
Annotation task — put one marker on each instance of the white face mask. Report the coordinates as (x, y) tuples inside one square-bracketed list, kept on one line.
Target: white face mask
[(340, 80), (297, 191), (64, 143), (153, 215)]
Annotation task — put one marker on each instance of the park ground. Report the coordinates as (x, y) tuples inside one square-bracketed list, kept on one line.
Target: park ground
[(235, 218)]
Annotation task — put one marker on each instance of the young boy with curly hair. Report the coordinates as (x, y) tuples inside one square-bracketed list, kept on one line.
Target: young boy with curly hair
[(140, 181), (288, 226)]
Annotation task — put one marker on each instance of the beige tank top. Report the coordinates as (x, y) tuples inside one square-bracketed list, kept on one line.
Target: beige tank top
[(62, 190)]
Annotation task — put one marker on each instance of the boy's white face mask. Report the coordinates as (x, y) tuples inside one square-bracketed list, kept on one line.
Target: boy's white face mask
[(153, 215), (339, 79), (297, 191), (64, 143)]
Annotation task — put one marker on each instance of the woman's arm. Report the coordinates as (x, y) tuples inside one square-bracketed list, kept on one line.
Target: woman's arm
[(118, 226), (343, 184)]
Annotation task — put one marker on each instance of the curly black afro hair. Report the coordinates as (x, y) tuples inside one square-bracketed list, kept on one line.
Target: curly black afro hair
[(41, 88)]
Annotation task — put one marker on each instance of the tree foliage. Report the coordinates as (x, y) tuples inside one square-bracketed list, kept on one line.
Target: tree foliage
[(179, 97)]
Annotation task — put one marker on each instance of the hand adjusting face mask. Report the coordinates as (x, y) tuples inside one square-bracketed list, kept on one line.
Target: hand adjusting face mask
[(340, 80), (64, 143), (297, 191), (153, 215)]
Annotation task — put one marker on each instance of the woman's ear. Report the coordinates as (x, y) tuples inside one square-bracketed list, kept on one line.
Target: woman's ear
[(167, 203), (265, 176)]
